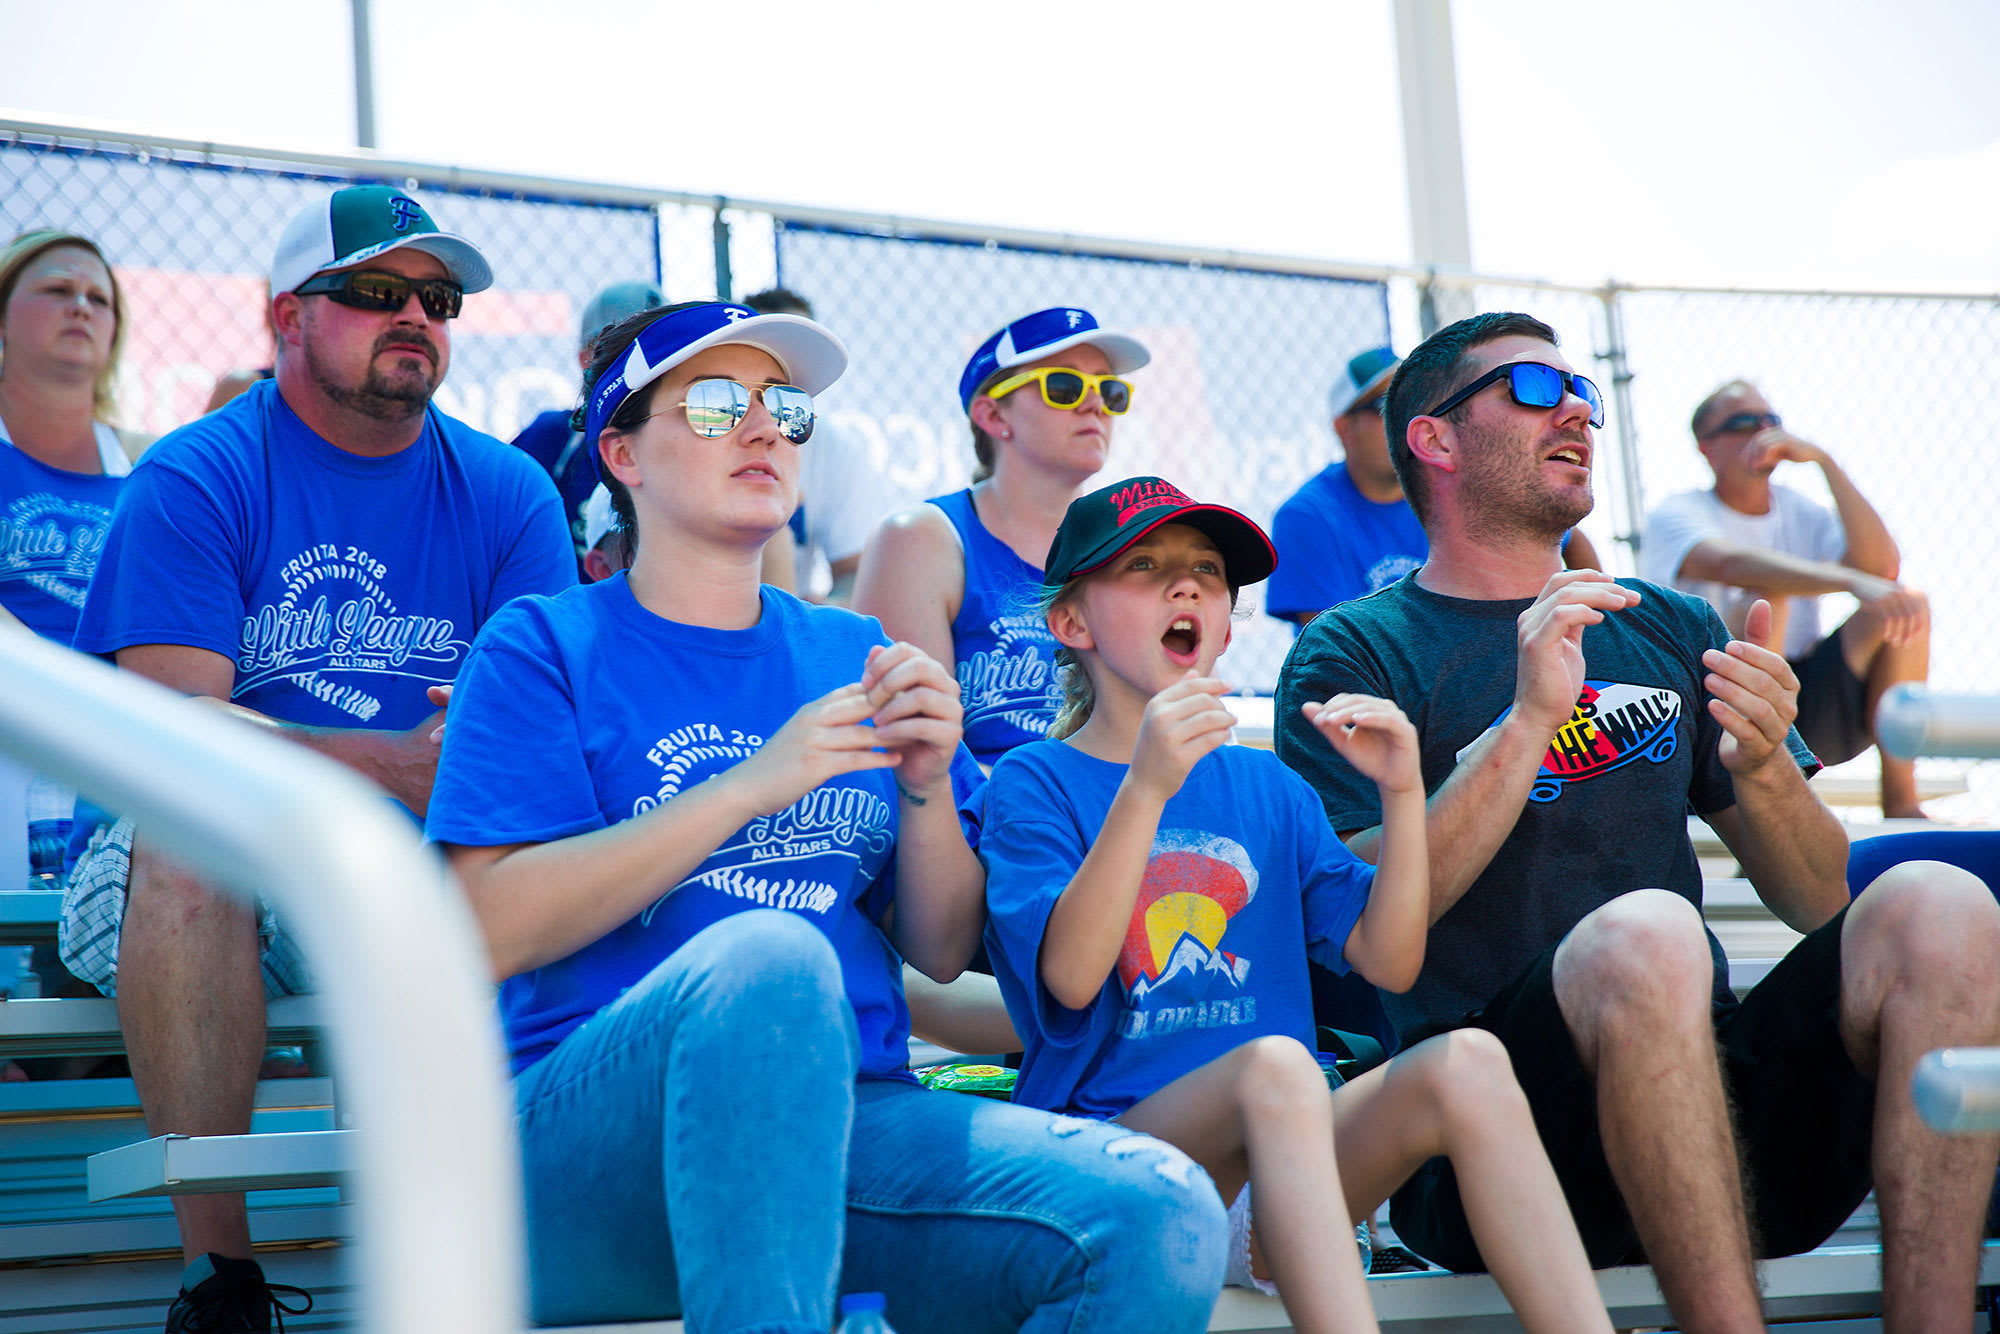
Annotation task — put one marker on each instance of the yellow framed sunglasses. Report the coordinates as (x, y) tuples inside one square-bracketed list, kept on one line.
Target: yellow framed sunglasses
[(1065, 388)]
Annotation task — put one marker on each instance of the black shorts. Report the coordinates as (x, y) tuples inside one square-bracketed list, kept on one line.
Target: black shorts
[(1833, 703), (1804, 1115)]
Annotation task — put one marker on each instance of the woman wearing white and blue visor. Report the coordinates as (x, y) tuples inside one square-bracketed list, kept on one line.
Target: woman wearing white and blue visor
[(702, 824)]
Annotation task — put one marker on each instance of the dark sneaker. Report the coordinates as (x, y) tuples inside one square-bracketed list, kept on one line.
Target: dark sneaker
[(230, 1297)]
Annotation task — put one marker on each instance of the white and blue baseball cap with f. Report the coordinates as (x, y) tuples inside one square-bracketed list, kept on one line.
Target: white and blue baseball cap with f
[(354, 225), (1043, 334)]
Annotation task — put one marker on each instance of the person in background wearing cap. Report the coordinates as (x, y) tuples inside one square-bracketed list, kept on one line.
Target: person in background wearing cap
[(1570, 724), (607, 548), (1348, 531), (1154, 894), (702, 823), (550, 439), (842, 496), (957, 575), (316, 557)]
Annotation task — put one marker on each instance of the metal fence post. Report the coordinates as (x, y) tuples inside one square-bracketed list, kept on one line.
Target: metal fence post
[(1626, 427), (724, 282)]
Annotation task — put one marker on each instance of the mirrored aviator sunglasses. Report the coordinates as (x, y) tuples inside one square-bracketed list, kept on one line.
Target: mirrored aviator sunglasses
[(366, 289), (1533, 385), (717, 407)]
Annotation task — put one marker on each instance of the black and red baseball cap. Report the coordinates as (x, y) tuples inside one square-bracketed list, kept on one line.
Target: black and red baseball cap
[(1100, 525)]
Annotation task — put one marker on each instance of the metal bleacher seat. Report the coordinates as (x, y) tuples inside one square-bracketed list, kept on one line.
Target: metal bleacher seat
[(436, 1241)]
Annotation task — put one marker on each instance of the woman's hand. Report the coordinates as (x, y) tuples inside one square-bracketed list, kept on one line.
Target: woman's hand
[(1181, 724), (823, 740), (917, 713), (1372, 735)]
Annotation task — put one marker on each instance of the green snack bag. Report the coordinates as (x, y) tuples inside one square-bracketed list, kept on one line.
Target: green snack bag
[(986, 1081)]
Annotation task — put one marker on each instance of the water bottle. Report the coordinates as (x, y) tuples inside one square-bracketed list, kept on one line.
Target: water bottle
[(861, 1313)]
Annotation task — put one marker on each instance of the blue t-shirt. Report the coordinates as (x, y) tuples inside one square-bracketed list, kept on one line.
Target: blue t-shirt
[(341, 587), (551, 441), (52, 526), (1335, 544), (1246, 881), (1006, 656), (578, 711)]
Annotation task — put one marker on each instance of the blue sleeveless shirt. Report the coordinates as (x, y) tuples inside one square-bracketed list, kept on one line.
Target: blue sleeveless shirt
[(1006, 655)]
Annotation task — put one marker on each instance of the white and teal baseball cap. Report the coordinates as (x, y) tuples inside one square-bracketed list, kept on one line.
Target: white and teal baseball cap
[(353, 225)]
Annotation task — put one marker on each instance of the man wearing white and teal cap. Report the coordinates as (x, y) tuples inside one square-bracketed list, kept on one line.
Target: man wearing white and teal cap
[(318, 555), (1348, 531)]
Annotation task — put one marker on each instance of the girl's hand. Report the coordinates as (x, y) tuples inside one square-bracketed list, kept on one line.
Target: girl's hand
[(824, 739), (917, 713), (1181, 724), (1372, 735)]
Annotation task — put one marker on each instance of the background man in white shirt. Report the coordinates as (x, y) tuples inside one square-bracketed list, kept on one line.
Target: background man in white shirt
[(1748, 539)]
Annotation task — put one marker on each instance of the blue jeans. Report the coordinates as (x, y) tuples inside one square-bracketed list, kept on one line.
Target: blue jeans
[(701, 1147)]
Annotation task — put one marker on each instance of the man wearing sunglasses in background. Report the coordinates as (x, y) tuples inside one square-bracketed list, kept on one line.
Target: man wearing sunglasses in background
[(1568, 724), (1749, 538), (1348, 531), (316, 557)]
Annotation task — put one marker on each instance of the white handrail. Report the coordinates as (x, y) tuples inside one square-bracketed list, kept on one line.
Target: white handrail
[(1912, 721), (1958, 1089), (398, 962)]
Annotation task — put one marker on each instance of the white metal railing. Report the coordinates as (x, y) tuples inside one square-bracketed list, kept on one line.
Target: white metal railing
[(402, 976), (1912, 720), (1958, 1088)]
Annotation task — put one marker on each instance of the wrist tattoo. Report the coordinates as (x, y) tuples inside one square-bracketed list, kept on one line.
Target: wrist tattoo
[(913, 798)]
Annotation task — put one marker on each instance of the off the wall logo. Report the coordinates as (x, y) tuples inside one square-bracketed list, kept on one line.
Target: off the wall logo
[(795, 859), (1175, 973), (53, 544), (335, 616), (1612, 725), (1014, 681)]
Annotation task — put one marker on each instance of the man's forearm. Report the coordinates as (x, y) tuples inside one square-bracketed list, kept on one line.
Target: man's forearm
[(1869, 545), (1768, 572), (1471, 815), (1793, 848), (382, 757)]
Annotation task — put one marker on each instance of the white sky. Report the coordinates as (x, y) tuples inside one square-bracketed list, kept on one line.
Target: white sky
[(1805, 142)]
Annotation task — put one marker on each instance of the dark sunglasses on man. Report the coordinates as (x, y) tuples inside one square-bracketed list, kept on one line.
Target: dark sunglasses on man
[(1743, 422), (1533, 385), (373, 289)]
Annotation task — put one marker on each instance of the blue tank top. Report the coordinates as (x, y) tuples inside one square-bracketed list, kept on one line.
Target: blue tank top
[(1006, 655)]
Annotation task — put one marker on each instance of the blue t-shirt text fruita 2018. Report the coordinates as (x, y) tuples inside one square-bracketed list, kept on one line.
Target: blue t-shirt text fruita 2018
[(583, 710), (341, 587)]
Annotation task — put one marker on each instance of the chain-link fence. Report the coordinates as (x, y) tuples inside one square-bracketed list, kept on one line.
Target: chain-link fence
[(1246, 347)]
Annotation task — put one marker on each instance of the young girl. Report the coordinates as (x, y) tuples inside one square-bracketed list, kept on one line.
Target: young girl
[(701, 824), (1154, 895)]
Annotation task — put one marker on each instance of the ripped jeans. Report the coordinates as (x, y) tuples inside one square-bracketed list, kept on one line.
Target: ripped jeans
[(701, 1148)]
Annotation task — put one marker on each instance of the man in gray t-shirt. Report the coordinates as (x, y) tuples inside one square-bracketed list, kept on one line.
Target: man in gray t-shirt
[(1569, 722)]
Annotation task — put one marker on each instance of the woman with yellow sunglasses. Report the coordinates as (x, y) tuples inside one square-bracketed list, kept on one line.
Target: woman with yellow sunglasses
[(958, 575)]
